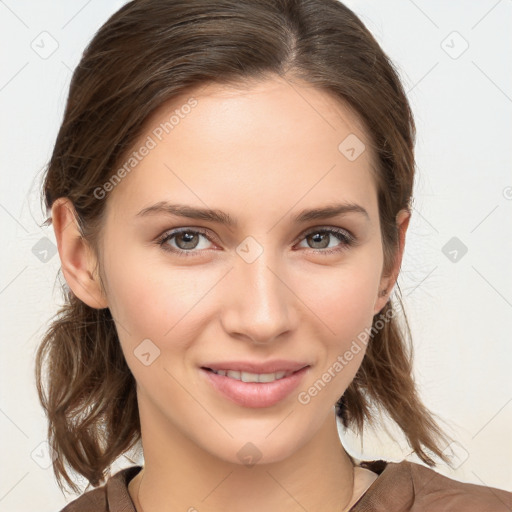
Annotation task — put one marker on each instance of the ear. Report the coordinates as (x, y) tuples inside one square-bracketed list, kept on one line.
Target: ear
[(78, 260), (388, 281)]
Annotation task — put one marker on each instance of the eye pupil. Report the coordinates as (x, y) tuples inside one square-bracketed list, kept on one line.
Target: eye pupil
[(324, 236), (190, 240)]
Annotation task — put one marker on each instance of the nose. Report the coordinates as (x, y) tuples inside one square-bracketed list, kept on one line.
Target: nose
[(259, 305)]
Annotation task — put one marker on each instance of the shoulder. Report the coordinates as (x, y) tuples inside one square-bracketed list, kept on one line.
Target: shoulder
[(111, 497), (436, 490), (403, 486)]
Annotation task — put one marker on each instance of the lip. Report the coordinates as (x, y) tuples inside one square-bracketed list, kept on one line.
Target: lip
[(277, 365), (255, 394)]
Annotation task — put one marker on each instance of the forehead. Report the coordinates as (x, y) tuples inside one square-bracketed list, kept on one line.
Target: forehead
[(276, 141)]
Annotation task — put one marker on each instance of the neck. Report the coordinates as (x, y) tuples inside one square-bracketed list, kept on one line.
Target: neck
[(179, 475)]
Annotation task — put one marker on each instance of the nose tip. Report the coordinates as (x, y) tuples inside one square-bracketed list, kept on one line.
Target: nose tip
[(260, 308)]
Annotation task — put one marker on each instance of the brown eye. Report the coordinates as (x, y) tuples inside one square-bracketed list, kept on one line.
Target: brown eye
[(320, 239), (186, 241)]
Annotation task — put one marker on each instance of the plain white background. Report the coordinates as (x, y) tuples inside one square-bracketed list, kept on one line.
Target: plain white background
[(454, 59)]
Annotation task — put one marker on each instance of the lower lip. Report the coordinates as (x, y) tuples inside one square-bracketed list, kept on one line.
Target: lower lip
[(255, 394)]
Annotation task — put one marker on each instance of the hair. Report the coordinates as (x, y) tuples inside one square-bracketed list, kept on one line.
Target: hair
[(147, 53)]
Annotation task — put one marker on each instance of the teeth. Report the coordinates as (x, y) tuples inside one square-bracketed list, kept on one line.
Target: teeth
[(252, 377)]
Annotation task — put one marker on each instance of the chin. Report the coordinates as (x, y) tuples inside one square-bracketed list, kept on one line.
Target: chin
[(253, 447)]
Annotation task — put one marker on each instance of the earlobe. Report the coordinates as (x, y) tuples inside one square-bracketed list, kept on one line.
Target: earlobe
[(387, 283), (78, 261)]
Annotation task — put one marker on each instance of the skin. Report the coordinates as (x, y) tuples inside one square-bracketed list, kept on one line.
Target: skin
[(261, 153)]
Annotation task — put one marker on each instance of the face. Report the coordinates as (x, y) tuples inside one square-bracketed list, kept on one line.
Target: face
[(273, 286)]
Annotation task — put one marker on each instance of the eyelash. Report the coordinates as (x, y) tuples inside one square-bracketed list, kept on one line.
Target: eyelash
[(342, 235)]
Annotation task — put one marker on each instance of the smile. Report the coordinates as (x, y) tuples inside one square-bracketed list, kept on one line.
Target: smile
[(251, 377), (254, 390)]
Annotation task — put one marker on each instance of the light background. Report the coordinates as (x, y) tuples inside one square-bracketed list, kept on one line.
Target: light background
[(460, 311)]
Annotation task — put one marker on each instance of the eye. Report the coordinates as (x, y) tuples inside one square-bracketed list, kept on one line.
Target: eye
[(186, 241), (320, 239)]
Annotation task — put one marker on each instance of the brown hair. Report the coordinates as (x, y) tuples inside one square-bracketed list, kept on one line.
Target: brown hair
[(147, 53)]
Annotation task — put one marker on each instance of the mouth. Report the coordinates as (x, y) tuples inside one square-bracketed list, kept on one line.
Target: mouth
[(252, 377), (254, 389)]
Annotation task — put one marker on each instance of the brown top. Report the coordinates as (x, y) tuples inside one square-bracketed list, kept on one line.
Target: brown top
[(400, 487)]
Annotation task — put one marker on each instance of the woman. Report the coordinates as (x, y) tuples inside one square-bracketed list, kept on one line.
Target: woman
[(230, 191)]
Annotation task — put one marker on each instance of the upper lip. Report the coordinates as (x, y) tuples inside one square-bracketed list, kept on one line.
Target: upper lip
[(278, 365)]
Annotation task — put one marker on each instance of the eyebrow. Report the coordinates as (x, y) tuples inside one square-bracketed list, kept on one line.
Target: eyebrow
[(220, 217)]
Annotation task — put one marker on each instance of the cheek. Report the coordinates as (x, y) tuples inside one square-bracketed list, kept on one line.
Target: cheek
[(150, 299), (347, 311), (344, 298)]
